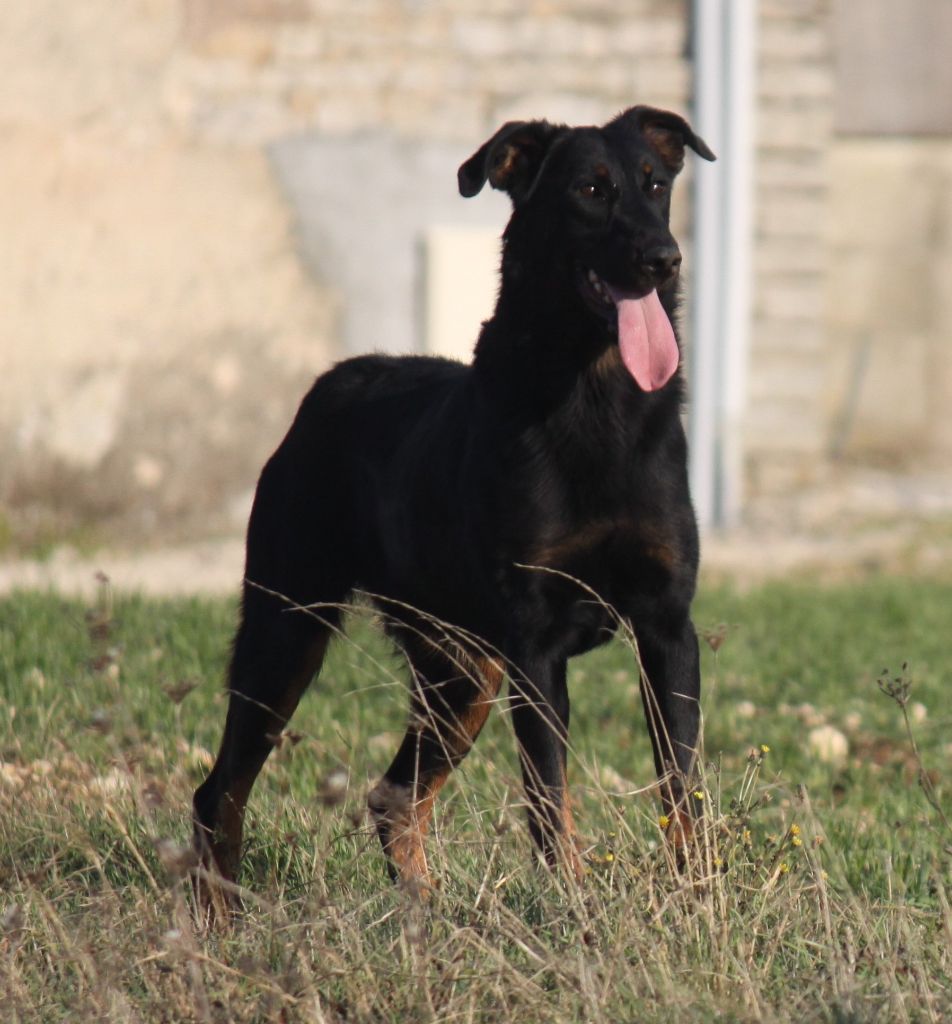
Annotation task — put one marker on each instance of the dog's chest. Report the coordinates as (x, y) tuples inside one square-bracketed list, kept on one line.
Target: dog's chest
[(573, 584), (589, 505), (613, 554)]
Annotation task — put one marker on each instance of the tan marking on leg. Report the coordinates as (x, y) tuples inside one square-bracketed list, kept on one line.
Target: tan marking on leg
[(226, 839), (219, 846), (402, 823), (680, 829), (402, 814), (488, 674), (568, 841)]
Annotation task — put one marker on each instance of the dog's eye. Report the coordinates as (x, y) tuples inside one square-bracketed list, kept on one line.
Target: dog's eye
[(601, 190), (656, 188)]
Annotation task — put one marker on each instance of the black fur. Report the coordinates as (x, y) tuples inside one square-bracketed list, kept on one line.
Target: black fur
[(509, 498)]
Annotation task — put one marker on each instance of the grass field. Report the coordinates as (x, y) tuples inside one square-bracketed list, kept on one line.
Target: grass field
[(819, 889)]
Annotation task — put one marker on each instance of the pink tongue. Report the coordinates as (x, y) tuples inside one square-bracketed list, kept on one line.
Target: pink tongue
[(646, 338)]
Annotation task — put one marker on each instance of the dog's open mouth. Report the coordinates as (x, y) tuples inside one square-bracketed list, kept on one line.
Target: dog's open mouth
[(646, 338), (595, 293)]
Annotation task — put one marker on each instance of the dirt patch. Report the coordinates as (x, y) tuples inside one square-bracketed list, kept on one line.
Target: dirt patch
[(210, 567)]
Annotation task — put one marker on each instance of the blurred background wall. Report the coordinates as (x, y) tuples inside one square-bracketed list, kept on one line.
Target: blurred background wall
[(889, 243), (205, 202)]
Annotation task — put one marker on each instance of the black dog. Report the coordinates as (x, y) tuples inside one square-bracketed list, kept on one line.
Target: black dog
[(505, 515)]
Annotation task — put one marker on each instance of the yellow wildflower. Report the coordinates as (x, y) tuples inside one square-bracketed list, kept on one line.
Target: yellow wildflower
[(664, 821)]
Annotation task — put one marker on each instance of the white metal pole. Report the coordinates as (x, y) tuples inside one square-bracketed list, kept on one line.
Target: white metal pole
[(724, 100), (741, 80), (707, 285)]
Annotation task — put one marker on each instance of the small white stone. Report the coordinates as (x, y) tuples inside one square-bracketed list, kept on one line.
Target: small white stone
[(745, 709), (918, 712), (829, 745)]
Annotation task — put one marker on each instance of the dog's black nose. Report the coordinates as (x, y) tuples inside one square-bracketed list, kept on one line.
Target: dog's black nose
[(662, 262)]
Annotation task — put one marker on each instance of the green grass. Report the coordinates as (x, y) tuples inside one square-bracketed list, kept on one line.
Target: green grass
[(817, 892)]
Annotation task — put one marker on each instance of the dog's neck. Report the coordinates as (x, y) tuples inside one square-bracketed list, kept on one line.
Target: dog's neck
[(544, 349)]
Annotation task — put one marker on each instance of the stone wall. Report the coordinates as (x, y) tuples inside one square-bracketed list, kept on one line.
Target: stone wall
[(162, 314), (157, 324), (256, 70), (888, 392), (850, 361), (786, 431), (175, 181)]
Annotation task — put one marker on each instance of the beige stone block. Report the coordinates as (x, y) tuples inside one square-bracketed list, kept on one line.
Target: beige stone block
[(447, 116), (783, 426), (781, 336), (203, 18), (489, 37), (247, 42), (298, 43), (662, 83), (344, 113), (95, 63), (566, 107), (782, 80), (569, 37), (788, 39), (775, 473), (879, 424), (804, 168), (789, 298), (795, 217), (786, 9), (656, 37), (788, 376), (794, 126), (776, 257)]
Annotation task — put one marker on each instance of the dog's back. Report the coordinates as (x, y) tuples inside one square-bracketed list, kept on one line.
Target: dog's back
[(367, 482)]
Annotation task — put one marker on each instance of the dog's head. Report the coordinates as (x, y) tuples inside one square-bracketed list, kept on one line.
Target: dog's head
[(595, 204)]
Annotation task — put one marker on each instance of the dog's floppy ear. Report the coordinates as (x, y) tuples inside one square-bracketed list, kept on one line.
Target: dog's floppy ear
[(669, 133), (510, 160)]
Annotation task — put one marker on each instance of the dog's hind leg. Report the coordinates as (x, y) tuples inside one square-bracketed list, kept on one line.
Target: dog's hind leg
[(452, 693), (540, 716), (277, 652)]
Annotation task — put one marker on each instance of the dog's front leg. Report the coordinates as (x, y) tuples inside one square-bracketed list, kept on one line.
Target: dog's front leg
[(670, 691), (539, 702)]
